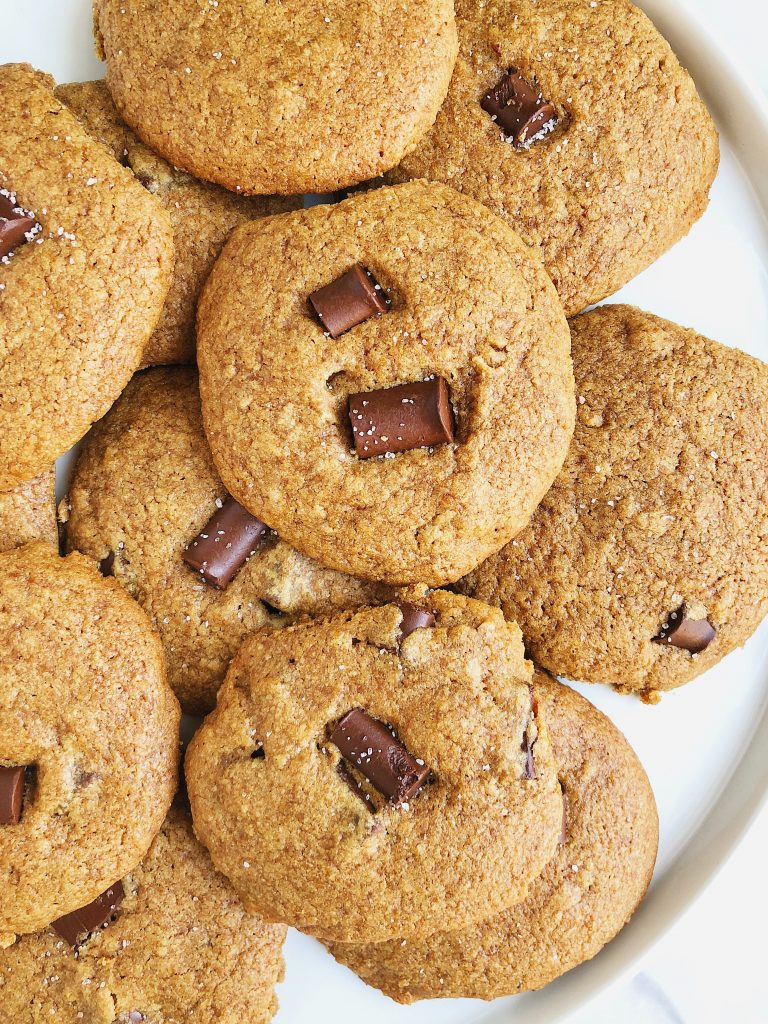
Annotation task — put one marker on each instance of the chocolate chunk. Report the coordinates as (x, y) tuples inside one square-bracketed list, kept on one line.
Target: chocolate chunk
[(351, 782), (529, 772), (11, 794), (379, 755), (17, 225), (225, 544), (399, 419), (107, 563), (692, 635), (519, 109), (413, 618), (74, 928), (348, 301)]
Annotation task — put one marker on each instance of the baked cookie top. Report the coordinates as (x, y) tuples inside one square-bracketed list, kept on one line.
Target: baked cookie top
[(144, 487), (80, 298), (358, 778), (267, 98), (456, 314), (179, 943), (647, 561), (627, 167), (201, 214), (584, 896), (88, 736), (28, 512)]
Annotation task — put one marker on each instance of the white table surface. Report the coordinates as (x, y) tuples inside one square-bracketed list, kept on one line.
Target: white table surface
[(711, 968)]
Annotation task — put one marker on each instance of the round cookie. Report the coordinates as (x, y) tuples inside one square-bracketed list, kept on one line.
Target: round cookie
[(180, 946), (88, 736), (263, 98), (626, 170), (143, 488), (28, 512), (582, 899), (80, 298), (312, 807), (468, 311), (201, 214), (647, 561)]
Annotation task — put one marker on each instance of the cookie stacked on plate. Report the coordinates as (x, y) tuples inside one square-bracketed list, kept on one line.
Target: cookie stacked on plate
[(395, 474)]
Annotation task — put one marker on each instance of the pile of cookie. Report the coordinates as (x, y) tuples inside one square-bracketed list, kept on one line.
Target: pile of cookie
[(355, 489)]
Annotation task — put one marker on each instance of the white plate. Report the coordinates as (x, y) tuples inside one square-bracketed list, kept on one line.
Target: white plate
[(704, 745)]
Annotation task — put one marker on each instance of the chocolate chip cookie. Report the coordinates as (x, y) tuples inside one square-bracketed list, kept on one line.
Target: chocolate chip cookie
[(267, 98), (378, 773), (84, 270), (584, 896), (201, 214), (143, 490), (647, 561), (28, 512), (574, 121), (172, 942), (88, 736), (386, 382)]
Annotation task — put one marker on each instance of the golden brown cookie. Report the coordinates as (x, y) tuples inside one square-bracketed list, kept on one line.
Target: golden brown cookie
[(28, 512), (274, 98), (80, 299), (372, 775), (179, 946), (143, 488), (202, 215), (626, 170), (88, 736), (457, 315), (584, 896), (647, 561)]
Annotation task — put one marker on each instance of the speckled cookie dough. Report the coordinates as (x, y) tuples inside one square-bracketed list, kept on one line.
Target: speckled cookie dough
[(584, 896), (89, 727), (467, 307), (279, 98), (180, 947), (292, 786), (647, 561), (626, 170), (28, 512), (80, 299), (143, 487), (202, 216)]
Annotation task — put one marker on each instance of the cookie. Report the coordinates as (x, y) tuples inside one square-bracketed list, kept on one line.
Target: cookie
[(647, 561), (80, 296), (263, 98), (28, 512), (143, 488), (373, 774), (574, 121), (88, 736), (333, 339), (201, 214), (582, 899), (208, 958)]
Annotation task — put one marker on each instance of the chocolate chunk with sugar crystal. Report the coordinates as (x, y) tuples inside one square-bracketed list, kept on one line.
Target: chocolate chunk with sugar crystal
[(519, 109), (348, 301), (399, 419), (379, 755), (414, 618), (75, 927), (692, 635), (224, 545), (17, 225), (11, 794)]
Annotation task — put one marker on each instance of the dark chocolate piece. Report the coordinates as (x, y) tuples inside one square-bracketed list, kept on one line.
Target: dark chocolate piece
[(17, 225), (351, 783), (348, 301), (74, 928), (529, 771), (692, 635), (399, 419), (107, 563), (375, 751), (519, 109), (225, 544), (414, 618), (11, 794)]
